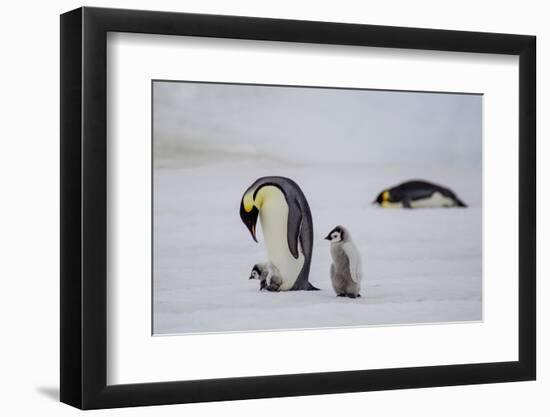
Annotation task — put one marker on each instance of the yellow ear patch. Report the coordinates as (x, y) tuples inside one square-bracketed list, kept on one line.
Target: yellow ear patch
[(386, 196), (248, 202), (262, 194)]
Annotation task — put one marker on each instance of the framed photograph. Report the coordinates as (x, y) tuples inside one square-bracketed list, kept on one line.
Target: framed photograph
[(257, 208)]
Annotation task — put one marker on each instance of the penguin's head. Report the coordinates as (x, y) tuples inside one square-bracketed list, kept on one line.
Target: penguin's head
[(249, 212), (255, 274), (336, 235), (383, 198)]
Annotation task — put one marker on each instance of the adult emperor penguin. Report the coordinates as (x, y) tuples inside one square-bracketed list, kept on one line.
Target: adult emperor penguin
[(417, 194), (287, 227)]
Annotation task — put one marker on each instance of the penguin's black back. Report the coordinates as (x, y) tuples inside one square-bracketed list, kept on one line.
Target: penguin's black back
[(419, 189)]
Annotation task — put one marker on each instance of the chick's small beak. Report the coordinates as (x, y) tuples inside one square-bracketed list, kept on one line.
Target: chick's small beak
[(327, 237)]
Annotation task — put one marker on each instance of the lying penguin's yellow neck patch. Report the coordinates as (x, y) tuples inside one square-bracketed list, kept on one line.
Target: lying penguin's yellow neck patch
[(386, 196)]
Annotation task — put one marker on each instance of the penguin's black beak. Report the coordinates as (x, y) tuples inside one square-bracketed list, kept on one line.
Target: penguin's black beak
[(327, 237), (250, 277), (250, 219)]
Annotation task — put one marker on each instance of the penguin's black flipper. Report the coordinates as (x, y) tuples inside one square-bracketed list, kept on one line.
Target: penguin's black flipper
[(293, 227), (406, 203), (448, 193), (459, 202)]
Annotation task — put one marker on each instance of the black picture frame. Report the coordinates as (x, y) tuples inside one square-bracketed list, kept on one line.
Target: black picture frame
[(84, 207)]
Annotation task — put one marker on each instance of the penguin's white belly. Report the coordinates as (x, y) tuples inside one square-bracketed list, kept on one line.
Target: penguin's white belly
[(274, 219), (435, 200)]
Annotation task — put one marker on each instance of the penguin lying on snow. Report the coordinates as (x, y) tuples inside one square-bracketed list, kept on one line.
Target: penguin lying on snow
[(287, 227), (269, 276), (417, 194), (346, 270)]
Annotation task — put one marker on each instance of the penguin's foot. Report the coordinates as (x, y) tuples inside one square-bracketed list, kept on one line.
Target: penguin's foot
[(353, 295), (340, 295)]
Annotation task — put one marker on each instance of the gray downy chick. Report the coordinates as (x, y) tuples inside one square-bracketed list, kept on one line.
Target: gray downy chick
[(269, 276), (346, 270)]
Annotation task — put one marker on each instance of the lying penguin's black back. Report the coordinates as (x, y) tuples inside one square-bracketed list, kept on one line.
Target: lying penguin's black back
[(419, 189), (415, 190)]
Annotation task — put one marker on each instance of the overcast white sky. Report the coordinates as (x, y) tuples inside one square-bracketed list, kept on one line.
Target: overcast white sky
[(312, 125)]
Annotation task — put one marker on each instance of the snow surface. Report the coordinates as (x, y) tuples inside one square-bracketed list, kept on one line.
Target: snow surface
[(211, 141), (420, 266)]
